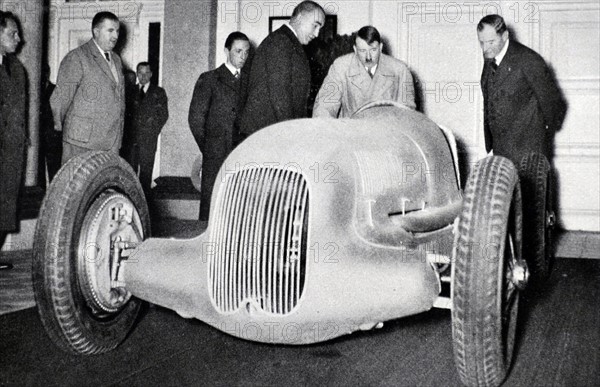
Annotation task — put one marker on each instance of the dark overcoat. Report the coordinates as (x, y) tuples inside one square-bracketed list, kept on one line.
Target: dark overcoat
[(279, 82), (13, 138), (523, 104), (51, 140), (214, 110), (148, 115)]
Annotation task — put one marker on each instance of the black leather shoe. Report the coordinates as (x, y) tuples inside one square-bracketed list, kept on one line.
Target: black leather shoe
[(5, 266)]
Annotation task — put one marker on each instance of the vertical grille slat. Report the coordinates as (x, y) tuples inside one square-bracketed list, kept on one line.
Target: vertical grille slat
[(253, 237), (288, 241), (270, 247), (219, 248), (231, 245), (278, 255), (243, 291), (277, 250), (301, 258), (258, 232), (239, 285), (222, 247), (262, 265)]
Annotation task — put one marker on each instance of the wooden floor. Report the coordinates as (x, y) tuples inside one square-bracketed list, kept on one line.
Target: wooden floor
[(557, 345), (15, 284), (557, 341)]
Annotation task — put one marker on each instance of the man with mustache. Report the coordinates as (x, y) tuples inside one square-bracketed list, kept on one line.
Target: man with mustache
[(364, 76), (280, 75), (88, 103)]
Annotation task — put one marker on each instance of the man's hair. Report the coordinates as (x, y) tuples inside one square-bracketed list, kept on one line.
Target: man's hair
[(101, 16), (369, 34), (304, 7), (237, 35), (5, 17), (142, 64), (495, 21)]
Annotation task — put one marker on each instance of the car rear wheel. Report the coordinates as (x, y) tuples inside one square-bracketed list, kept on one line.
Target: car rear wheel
[(535, 175), (488, 273), (93, 211)]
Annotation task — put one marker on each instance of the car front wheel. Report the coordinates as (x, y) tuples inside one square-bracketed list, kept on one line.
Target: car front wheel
[(94, 210), (488, 273)]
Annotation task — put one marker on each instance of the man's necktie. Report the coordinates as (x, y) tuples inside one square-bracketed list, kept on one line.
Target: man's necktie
[(142, 93), (107, 56), (493, 65), (237, 74)]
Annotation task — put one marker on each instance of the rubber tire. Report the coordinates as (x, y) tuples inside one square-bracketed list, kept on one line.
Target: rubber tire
[(483, 331), (62, 308), (536, 185)]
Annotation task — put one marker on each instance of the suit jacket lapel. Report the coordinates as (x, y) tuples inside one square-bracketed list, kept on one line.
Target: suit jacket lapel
[(293, 40), (149, 94), (505, 68), (382, 80), (225, 77), (100, 60), (359, 77), (119, 68), (484, 76)]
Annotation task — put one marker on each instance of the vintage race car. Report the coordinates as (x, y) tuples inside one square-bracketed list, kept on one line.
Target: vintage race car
[(318, 228)]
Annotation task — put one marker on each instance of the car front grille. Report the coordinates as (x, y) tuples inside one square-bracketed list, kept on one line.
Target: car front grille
[(258, 236)]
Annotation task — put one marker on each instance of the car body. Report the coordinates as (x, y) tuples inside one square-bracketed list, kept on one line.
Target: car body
[(306, 246), (318, 228)]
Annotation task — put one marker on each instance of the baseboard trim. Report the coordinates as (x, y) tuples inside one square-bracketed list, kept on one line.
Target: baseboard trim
[(577, 244)]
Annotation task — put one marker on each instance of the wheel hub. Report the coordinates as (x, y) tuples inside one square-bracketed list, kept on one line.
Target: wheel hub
[(550, 219), (110, 229), (519, 274)]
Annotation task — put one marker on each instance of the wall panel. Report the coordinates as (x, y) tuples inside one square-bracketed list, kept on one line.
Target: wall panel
[(438, 40)]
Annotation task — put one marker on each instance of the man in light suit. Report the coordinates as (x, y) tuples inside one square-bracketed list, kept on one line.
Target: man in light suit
[(148, 114), (364, 76), (214, 111), (280, 75), (88, 103), (522, 102)]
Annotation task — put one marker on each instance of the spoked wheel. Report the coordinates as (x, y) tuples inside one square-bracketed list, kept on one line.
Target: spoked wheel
[(93, 214), (535, 174), (488, 273)]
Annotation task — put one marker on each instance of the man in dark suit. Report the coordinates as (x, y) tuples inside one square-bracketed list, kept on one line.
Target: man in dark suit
[(51, 139), (214, 111), (88, 103), (522, 102), (13, 125), (148, 114), (280, 75)]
